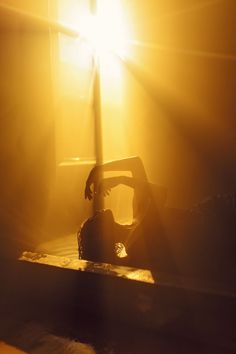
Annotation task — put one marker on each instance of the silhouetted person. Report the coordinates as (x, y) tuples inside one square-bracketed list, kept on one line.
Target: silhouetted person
[(196, 242), (144, 241)]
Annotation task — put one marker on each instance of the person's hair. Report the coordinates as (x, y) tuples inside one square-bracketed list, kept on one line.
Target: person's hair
[(96, 238)]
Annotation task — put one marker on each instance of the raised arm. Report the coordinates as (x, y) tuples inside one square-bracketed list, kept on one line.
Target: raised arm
[(106, 184), (131, 164)]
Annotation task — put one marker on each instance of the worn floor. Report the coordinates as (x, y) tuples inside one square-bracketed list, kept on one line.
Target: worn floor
[(63, 333)]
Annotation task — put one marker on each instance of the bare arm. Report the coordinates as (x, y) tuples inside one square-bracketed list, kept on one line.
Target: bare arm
[(106, 184), (138, 182), (131, 164)]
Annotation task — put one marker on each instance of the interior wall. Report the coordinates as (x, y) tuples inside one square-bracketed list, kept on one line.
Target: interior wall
[(175, 109), (37, 7), (179, 104), (26, 130)]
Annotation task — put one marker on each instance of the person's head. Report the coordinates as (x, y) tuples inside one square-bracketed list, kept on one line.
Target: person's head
[(98, 236)]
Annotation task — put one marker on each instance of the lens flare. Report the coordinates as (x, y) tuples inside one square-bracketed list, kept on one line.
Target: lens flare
[(105, 30)]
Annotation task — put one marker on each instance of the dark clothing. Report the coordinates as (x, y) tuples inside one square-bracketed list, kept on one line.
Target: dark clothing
[(197, 242)]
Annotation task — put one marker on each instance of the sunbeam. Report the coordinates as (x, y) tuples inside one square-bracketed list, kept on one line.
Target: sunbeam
[(199, 53)]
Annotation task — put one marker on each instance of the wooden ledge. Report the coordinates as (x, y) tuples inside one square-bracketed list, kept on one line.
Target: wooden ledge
[(161, 280), (141, 275)]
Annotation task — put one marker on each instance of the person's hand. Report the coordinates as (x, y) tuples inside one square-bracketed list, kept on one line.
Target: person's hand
[(104, 187), (88, 194), (93, 179), (106, 184)]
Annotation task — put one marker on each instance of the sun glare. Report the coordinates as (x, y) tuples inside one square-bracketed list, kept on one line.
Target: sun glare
[(103, 35), (105, 30)]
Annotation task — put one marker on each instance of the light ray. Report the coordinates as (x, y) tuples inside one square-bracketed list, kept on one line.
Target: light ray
[(199, 53), (161, 97), (189, 9)]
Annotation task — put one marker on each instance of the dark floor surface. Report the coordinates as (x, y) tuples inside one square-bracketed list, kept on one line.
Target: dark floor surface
[(50, 332)]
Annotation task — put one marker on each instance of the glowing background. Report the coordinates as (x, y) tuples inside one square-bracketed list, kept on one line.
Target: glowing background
[(172, 102), (166, 99)]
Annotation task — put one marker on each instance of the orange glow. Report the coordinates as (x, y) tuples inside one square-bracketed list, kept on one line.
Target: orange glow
[(105, 31), (104, 34), (8, 349)]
